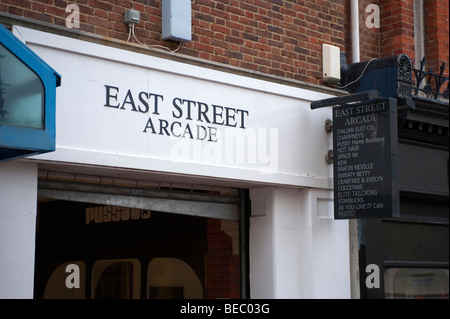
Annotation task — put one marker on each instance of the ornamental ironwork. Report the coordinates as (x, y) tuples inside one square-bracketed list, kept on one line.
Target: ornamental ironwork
[(430, 85), (404, 68)]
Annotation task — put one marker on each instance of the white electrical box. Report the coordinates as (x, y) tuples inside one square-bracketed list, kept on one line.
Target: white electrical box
[(176, 20), (331, 64)]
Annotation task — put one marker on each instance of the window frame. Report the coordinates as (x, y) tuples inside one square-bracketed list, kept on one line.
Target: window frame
[(15, 141)]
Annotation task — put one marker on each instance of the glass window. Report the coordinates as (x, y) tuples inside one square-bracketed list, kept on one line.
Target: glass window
[(21, 93), (116, 279), (416, 283), (172, 278)]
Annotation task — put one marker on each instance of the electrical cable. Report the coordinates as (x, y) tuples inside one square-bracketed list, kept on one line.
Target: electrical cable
[(129, 33), (132, 33), (360, 76)]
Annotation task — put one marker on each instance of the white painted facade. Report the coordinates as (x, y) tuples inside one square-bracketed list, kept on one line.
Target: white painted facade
[(18, 198), (243, 132)]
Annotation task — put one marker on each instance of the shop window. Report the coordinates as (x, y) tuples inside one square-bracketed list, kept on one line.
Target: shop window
[(21, 93), (172, 278), (416, 283), (27, 100), (56, 285), (165, 256), (116, 279)]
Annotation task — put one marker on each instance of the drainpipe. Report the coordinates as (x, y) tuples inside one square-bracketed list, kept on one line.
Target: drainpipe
[(354, 224), (355, 30)]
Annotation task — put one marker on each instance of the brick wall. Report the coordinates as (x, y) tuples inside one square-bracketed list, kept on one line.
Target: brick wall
[(277, 37), (222, 266), (396, 32), (370, 37), (397, 29), (437, 33)]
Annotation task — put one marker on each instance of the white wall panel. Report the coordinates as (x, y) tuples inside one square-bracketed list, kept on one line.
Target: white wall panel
[(18, 192), (272, 135)]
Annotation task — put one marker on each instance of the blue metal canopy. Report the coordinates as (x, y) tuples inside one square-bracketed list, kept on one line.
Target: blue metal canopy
[(27, 100)]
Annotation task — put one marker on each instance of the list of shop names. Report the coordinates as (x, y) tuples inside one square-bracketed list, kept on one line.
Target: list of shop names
[(358, 168)]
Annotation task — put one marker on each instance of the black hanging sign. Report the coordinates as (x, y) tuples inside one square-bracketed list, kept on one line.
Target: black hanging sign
[(365, 159)]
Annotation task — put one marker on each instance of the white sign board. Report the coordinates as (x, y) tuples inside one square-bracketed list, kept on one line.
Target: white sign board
[(124, 109)]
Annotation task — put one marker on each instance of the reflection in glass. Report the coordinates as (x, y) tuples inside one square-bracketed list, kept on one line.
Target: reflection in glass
[(172, 278), (56, 285), (416, 283), (116, 279), (21, 93)]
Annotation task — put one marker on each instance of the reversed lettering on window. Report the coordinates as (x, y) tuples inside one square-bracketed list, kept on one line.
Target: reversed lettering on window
[(107, 214)]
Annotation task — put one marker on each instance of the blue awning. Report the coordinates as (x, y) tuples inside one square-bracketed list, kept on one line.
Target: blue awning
[(27, 100)]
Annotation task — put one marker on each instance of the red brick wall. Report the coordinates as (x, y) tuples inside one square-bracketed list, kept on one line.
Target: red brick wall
[(397, 29), (276, 37), (436, 34), (396, 32), (222, 267), (370, 37)]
